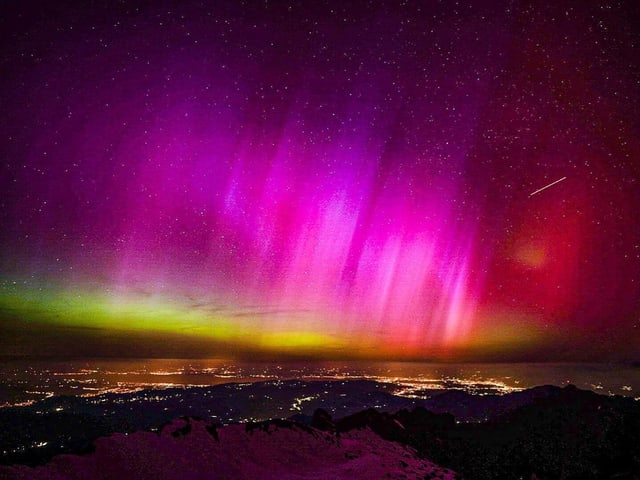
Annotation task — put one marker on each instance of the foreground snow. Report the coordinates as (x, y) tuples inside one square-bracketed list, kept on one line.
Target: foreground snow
[(191, 449)]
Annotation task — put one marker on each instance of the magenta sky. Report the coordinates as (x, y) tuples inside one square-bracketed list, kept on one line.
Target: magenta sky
[(327, 179)]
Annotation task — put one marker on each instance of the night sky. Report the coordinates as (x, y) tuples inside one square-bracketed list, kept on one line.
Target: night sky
[(324, 179)]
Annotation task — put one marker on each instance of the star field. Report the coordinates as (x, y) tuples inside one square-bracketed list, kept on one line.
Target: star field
[(321, 178)]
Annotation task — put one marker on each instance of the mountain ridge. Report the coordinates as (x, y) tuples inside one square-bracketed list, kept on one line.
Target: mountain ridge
[(280, 449)]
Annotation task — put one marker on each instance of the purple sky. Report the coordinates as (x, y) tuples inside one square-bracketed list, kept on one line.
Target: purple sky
[(327, 178)]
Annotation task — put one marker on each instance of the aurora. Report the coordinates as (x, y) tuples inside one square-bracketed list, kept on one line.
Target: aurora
[(328, 181)]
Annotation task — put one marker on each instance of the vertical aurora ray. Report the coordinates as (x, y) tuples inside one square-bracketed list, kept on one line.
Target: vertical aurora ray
[(359, 256)]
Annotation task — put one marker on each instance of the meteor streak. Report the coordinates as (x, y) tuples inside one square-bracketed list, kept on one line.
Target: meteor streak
[(547, 186)]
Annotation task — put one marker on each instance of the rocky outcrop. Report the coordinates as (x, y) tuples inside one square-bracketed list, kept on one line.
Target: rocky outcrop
[(192, 449)]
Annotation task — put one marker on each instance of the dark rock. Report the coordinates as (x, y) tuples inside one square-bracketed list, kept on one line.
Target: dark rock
[(266, 425), (182, 431), (322, 421), (384, 424), (213, 431)]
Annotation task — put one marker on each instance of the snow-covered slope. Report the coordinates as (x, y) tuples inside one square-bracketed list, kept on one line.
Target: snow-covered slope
[(193, 449)]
